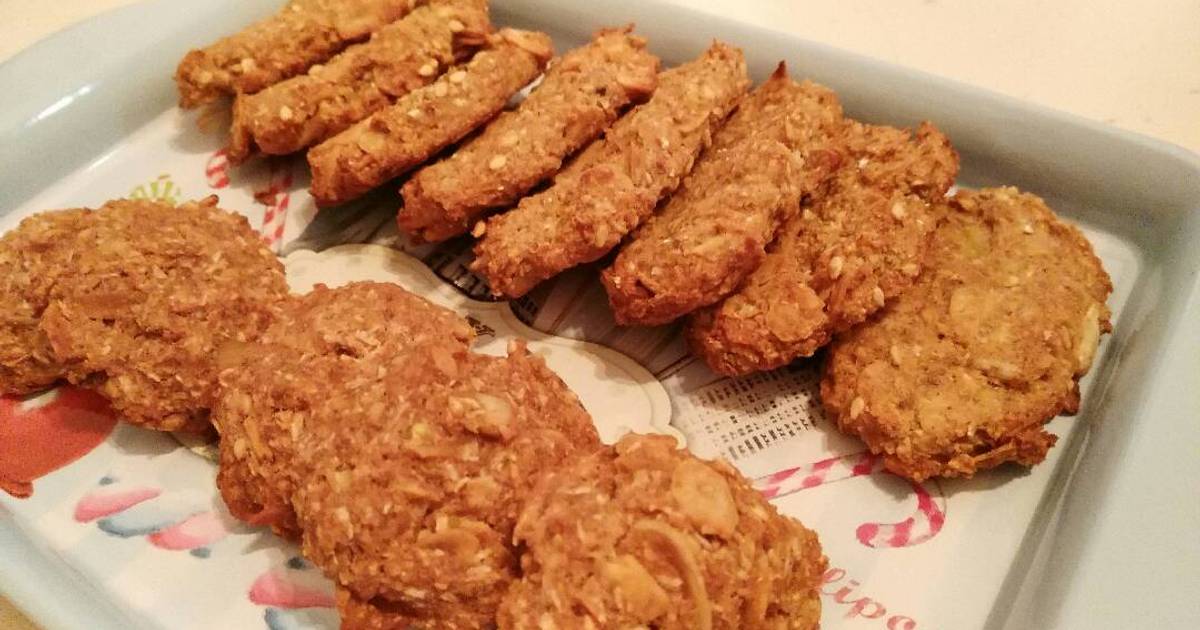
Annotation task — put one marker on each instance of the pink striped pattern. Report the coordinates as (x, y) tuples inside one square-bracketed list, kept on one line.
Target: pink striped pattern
[(923, 524), (275, 217), (791, 480), (216, 170)]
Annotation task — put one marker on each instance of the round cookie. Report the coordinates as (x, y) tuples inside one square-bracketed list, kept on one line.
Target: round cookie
[(409, 503), (272, 392), (961, 373), (33, 256), (150, 292), (642, 535)]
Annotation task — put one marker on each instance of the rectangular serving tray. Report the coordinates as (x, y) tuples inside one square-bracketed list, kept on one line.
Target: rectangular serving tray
[(1115, 540)]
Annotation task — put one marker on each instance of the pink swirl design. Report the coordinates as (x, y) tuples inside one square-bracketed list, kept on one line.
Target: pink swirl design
[(99, 504), (216, 170), (294, 595), (287, 588), (922, 525), (194, 532), (168, 522)]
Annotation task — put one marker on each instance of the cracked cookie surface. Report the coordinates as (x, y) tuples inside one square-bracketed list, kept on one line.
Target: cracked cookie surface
[(642, 535), (962, 371), (132, 300)]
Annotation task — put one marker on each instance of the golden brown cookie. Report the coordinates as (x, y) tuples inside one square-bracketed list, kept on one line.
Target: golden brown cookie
[(401, 57), (400, 137), (962, 371), (410, 502), (136, 296), (380, 614), (580, 95), (617, 181), (642, 535), (782, 143), (33, 256), (273, 392), (302, 33), (848, 252)]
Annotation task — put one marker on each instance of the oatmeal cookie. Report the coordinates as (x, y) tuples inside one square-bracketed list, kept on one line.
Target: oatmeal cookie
[(961, 372), (580, 95), (144, 294), (400, 137), (302, 33), (642, 535), (409, 503), (273, 392), (401, 57), (33, 256), (849, 251), (381, 614), (780, 145), (616, 182)]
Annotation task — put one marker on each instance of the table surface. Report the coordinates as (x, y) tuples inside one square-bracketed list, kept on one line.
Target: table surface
[(1130, 64)]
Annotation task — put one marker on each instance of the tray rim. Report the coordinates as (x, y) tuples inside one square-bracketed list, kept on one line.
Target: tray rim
[(37, 596)]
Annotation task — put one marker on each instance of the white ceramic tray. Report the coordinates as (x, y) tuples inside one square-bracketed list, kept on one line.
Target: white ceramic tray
[(1103, 535)]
